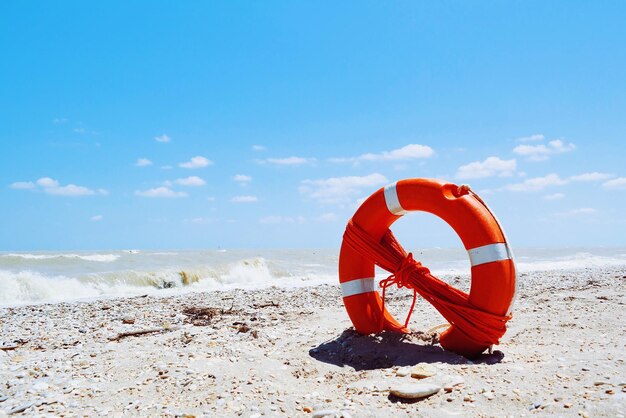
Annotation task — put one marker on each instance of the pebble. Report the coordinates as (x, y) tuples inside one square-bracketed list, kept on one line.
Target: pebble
[(451, 382), (20, 408), (422, 371), (403, 371), (414, 390)]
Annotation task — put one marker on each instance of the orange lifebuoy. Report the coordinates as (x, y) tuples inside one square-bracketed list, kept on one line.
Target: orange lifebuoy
[(493, 275)]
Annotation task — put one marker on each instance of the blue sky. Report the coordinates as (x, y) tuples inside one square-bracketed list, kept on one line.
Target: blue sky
[(262, 124)]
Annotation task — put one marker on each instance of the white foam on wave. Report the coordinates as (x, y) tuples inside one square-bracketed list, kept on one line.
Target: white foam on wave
[(26, 286), (577, 261), (36, 281), (103, 258)]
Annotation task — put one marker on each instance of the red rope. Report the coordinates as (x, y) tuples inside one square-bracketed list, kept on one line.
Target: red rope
[(481, 326)]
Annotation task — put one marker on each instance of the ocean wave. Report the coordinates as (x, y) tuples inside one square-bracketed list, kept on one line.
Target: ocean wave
[(47, 277), (27, 286), (103, 258), (576, 261)]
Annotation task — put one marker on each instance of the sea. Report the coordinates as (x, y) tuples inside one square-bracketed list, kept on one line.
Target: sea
[(52, 277)]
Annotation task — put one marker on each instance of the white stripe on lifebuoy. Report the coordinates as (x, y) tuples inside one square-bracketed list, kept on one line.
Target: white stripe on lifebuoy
[(489, 253), (357, 286), (392, 201)]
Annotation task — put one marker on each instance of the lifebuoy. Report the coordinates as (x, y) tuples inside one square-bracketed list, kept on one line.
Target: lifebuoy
[(493, 275)]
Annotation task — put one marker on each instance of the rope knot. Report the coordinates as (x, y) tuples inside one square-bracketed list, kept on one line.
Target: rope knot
[(402, 275)]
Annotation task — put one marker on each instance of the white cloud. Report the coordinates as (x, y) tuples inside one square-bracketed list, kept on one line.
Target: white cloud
[(196, 162), (58, 121), (52, 187), (615, 184), (531, 138), (47, 182), (289, 161), (22, 185), (69, 190), (282, 220), (559, 146), (143, 162), (166, 167), (162, 191), (191, 181), (595, 176), (326, 217), (340, 189), (579, 211), (537, 183), (554, 196), (242, 178), (244, 199), (533, 152), (411, 151), (162, 138), (490, 167), (96, 218), (258, 148), (542, 152)]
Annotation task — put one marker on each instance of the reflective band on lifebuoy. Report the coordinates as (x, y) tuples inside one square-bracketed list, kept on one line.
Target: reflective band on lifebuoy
[(358, 286), (392, 201), (479, 318), (489, 253)]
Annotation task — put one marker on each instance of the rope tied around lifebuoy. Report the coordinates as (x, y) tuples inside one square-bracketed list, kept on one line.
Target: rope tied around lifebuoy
[(453, 304), (401, 278)]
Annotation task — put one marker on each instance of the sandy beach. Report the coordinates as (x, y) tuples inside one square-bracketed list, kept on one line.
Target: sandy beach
[(292, 352)]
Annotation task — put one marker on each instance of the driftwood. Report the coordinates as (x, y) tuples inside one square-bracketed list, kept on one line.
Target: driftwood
[(271, 304), (203, 316), (9, 347), (140, 332), (200, 316)]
